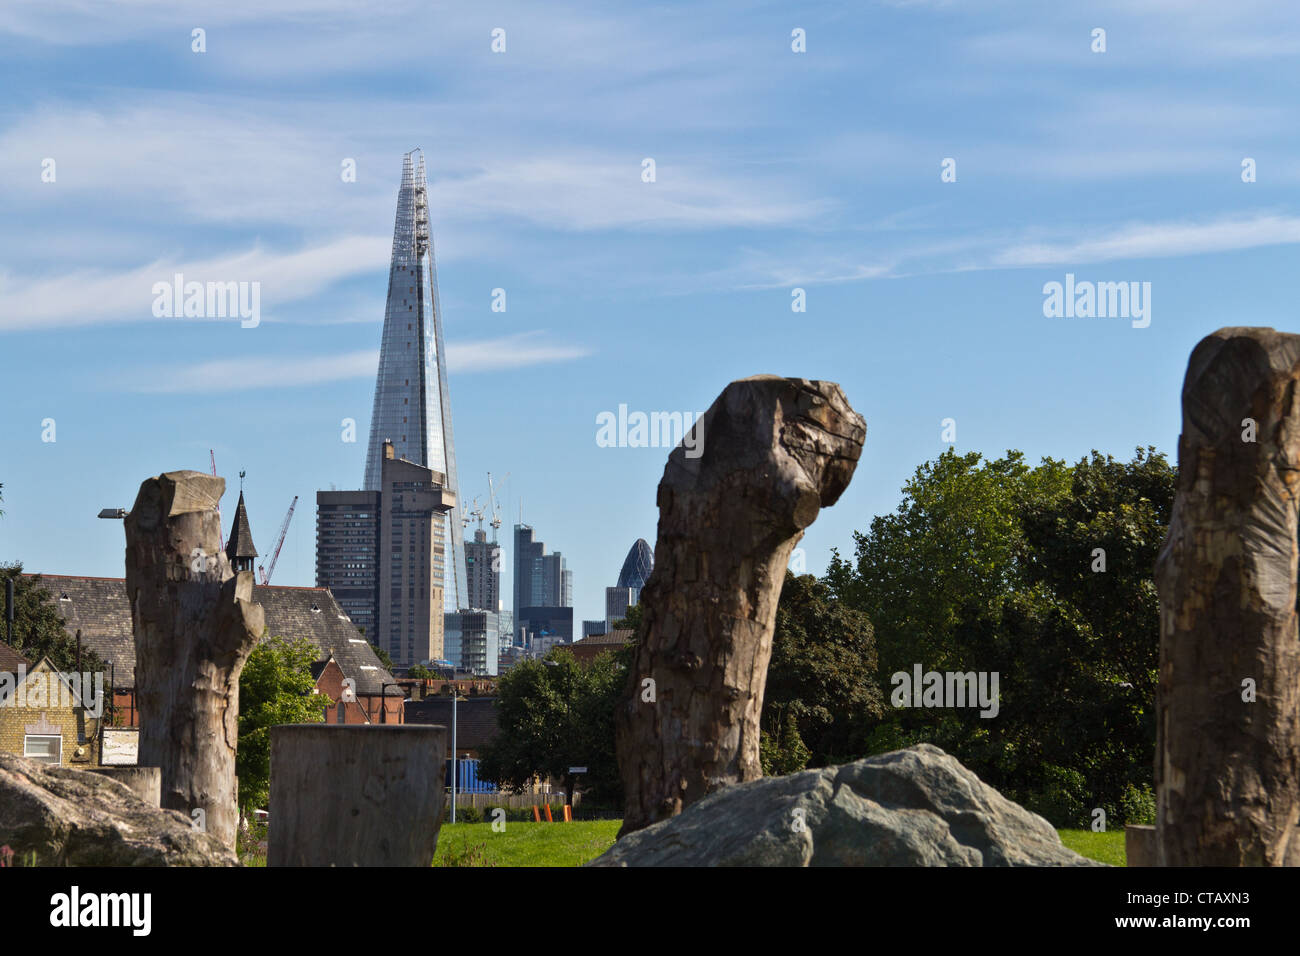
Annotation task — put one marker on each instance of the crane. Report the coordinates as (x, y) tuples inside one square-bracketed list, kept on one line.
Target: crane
[(474, 512), (279, 543), (496, 508), (221, 535)]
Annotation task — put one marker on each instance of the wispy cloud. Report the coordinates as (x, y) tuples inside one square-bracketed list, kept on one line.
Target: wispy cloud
[(260, 371), (1157, 241), (88, 297)]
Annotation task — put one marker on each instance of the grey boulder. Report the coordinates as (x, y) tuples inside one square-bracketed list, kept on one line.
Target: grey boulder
[(913, 807), (74, 818)]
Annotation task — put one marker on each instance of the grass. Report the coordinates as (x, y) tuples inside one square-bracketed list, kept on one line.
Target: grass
[(524, 844), (1105, 847), (572, 844)]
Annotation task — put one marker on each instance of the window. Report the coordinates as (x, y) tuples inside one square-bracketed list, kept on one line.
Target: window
[(43, 749)]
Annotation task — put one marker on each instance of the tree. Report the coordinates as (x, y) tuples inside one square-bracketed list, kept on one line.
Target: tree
[(994, 567), (38, 628), (276, 687), (555, 714), (822, 699), (418, 671), (631, 620), (383, 656)]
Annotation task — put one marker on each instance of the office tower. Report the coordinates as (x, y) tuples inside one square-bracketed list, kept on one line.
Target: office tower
[(412, 408), (390, 544), (483, 572), (347, 554), (473, 642), (593, 628), (546, 624), (543, 588), (636, 570)]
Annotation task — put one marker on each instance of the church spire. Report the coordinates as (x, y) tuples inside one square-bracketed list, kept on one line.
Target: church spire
[(239, 549)]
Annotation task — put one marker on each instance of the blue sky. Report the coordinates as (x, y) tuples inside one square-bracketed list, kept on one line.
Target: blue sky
[(774, 170)]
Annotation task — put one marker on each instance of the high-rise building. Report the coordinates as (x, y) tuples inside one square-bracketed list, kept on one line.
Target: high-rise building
[(543, 587), (473, 642), (593, 628), (636, 570), (483, 572), (388, 546), (412, 407), (347, 554)]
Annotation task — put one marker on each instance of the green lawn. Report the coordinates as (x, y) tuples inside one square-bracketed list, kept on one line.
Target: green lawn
[(572, 844), (1105, 847), (524, 844)]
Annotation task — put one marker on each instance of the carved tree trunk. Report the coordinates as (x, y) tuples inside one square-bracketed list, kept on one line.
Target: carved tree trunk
[(195, 625), (1227, 769), (774, 452)]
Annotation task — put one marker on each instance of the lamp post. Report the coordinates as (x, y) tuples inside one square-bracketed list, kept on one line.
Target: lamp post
[(455, 764)]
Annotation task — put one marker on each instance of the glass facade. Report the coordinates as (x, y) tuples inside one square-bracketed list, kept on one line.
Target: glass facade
[(412, 407)]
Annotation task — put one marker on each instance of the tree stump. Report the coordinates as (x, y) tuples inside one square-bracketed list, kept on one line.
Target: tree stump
[(356, 794), (774, 452), (1228, 769), (195, 625)]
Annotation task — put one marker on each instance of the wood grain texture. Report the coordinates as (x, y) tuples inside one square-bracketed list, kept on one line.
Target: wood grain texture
[(195, 624), (774, 452), (1227, 770)]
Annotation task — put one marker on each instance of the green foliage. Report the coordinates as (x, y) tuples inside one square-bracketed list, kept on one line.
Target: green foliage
[(381, 654), (821, 687), (988, 566), (419, 672), (276, 687), (38, 629), (555, 714), (631, 621), (783, 752)]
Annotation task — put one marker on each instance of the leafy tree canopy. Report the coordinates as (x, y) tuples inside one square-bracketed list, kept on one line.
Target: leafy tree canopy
[(276, 687)]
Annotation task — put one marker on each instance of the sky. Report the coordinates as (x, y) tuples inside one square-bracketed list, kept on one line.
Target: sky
[(920, 170)]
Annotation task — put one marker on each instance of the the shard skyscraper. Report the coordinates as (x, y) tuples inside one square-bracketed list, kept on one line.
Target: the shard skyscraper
[(412, 404)]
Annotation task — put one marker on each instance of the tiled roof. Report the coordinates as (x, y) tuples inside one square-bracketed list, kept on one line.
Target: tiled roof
[(10, 659), (240, 544), (99, 607), (476, 718), (618, 636)]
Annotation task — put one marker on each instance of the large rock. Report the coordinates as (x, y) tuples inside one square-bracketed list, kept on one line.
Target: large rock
[(913, 807), (75, 818)]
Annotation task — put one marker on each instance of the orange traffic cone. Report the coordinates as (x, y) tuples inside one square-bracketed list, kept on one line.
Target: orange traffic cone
[(537, 817), (568, 814), (548, 813)]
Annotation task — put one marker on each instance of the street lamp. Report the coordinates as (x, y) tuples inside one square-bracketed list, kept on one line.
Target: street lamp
[(112, 513)]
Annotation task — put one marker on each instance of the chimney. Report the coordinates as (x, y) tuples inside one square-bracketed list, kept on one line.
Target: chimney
[(388, 450)]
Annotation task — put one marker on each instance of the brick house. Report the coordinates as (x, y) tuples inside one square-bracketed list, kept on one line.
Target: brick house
[(476, 721), (43, 715), (589, 648)]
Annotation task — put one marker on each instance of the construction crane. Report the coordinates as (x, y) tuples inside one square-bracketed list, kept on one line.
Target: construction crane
[(475, 511), (221, 535), (496, 508), (279, 543)]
